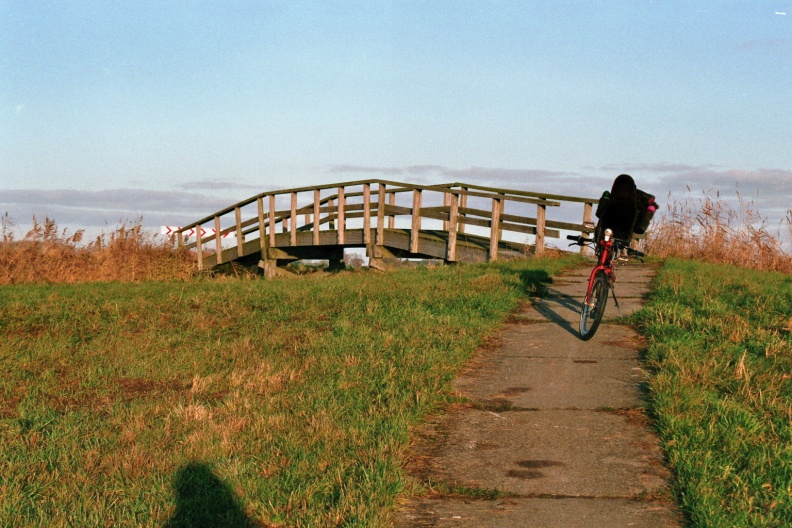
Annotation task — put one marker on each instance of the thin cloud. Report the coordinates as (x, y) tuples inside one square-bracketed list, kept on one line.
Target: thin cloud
[(470, 175), (216, 185), (108, 207), (656, 168)]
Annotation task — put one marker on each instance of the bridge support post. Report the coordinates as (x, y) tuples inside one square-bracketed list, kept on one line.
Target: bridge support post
[(270, 268), (377, 255)]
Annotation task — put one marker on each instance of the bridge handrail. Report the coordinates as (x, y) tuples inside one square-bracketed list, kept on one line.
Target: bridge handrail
[(533, 198)]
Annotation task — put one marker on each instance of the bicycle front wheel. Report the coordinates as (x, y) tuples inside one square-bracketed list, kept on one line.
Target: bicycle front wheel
[(594, 307)]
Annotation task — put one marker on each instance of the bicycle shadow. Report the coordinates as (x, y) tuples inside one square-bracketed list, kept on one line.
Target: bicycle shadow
[(203, 500), (553, 305)]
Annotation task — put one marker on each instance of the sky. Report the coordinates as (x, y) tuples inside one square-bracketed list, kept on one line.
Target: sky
[(166, 111)]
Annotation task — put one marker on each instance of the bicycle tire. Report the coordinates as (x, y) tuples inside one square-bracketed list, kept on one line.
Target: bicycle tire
[(594, 307)]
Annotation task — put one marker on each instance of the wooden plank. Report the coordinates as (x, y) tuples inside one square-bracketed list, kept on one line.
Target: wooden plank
[(452, 226), (463, 221), (218, 240), (341, 216), (511, 192), (316, 218), (393, 210), (416, 221), (495, 229), (366, 213)]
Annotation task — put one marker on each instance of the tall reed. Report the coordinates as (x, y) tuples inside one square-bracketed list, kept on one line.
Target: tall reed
[(50, 254), (711, 230)]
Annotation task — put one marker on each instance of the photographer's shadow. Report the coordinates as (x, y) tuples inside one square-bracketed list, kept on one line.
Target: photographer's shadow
[(205, 501)]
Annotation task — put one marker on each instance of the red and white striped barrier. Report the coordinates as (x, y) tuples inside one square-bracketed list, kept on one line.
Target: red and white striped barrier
[(171, 230)]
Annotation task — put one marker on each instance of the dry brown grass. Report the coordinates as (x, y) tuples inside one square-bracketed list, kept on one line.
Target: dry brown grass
[(48, 254), (709, 229)]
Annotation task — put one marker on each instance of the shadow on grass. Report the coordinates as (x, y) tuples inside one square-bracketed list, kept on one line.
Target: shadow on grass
[(203, 500)]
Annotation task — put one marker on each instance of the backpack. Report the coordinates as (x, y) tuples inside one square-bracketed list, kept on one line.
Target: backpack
[(646, 210)]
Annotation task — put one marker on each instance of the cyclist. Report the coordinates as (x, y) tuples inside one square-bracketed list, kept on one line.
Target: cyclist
[(624, 210)]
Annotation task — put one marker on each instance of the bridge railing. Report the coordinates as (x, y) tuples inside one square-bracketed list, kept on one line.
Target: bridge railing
[(328, 212)]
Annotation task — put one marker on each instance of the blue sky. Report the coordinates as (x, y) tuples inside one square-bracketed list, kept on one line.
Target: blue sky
[(171, 110)]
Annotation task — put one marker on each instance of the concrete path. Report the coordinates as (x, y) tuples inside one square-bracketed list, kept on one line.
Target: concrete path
[(556, 425)]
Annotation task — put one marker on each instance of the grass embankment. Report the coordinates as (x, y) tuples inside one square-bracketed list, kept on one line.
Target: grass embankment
[(235, 402), (720, 348)]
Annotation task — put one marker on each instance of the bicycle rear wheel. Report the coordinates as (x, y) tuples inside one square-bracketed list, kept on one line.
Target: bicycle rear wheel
[(594, 307)]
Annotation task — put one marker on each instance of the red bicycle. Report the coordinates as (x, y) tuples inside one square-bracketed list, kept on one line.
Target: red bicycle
[(602, 278)]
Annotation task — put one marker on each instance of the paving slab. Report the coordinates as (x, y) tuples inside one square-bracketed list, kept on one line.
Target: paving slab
[(554, 423), (562, 453), (539, 513), (527, 373)]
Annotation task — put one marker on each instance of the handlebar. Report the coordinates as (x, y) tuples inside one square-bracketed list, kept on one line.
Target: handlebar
[(580, 240)]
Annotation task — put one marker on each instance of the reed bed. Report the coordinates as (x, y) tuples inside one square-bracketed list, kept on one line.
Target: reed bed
[(709, 229), (49, 254)]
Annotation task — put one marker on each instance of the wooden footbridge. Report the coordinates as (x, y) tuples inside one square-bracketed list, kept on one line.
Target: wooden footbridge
[(389, 219)]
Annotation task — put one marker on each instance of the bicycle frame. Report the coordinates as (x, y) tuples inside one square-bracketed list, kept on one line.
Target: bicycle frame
[(602, 279), (604, 251)]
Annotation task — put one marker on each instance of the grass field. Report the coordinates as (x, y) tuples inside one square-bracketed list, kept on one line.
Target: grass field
[(720, 348), (236, 402)]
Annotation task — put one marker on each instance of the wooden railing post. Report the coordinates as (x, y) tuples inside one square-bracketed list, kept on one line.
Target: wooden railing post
[(463, 199), (495, 229), (293, 220), (391, 218), (199, 246), (330, 215), (218, 242), (271, 221), (263, 242), (341, 217), (415, 232), (381, 214), (367, 213), (587, 208), (452, 226), (541, 215), (239, 236), (317, 200), (446, 203)]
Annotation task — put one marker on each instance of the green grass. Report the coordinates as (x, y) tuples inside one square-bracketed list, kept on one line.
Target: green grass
[(720, 347), (233, 402)]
